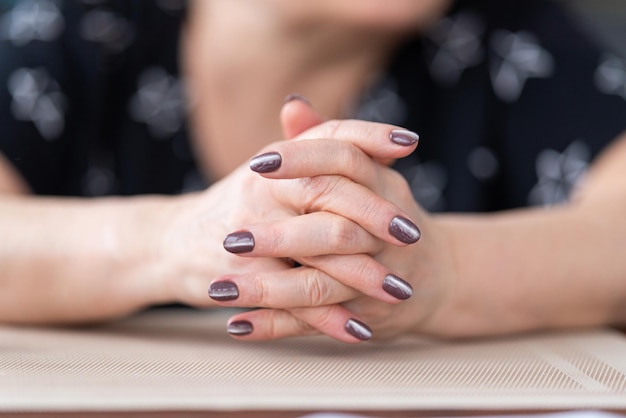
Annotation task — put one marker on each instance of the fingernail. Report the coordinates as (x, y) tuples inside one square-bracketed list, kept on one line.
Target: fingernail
[(396, 287), (404, 137), (296, 96), (358, 329), (266, 163), (404, 230), (240, 328), (239, 242), (223, 291)]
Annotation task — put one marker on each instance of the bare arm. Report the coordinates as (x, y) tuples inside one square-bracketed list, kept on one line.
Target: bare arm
[(543, 268), (477, 275), (76, 260)]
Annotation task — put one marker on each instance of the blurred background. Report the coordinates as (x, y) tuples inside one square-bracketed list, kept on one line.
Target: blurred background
[(604, 19)]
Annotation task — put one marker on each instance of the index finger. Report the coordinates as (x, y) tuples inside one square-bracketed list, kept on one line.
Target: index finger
[(378, 140)]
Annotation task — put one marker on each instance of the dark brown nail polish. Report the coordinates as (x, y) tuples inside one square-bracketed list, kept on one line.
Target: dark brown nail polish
[(266, 163), (239, 242), (404, 230), (296, 96), (358, 329), (404, 137), (223, 291), (240, 328), (397, 287)]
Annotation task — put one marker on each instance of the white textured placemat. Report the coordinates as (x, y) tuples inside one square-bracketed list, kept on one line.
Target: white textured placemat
[(183, 360)]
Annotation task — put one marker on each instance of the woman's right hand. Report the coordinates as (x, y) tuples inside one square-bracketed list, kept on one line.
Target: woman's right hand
[(79, 260), (339, 211), (359, 276), (316, 203)]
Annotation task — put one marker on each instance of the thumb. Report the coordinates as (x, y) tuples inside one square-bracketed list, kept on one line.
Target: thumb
[(297, 115)]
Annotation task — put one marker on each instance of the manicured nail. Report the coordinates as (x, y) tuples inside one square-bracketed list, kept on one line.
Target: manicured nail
[(396, 287), (358, 329), (239, 328), (223, 291), (239, 242), (296, 96), (266, 163), (404, 230), (404, 137)]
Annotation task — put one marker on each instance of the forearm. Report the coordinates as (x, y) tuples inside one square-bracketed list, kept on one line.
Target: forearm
[(538, 268), (77, 260)]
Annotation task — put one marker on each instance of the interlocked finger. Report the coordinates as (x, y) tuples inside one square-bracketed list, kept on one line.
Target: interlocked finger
[(378, 140), (307, 235), (296, 287), (350, 276), (269, 324), (317, 157), (342, 196)]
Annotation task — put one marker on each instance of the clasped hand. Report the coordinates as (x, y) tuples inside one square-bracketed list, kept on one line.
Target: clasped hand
[(330, 236)]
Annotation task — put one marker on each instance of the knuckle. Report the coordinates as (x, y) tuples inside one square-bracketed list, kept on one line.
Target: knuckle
[(275, 240), (331, 128), (354, 158), (316, 288), (317, 188), (262, 295), (272, 328), (327, 129), (371, 207), (342, 235), (301, 326), (362, 268), (325, 319), (347, 128)]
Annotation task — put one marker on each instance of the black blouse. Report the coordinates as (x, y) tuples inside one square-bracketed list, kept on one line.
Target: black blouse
[(512, 100)]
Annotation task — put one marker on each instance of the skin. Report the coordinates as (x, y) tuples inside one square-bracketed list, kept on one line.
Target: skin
[(328, 51), (471, 275), (121, 254), (129, 253)]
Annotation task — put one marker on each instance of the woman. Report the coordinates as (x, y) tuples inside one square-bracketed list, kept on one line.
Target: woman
[(131, 252)]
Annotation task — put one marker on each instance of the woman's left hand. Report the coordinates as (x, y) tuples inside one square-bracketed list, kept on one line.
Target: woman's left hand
[(384, 290)]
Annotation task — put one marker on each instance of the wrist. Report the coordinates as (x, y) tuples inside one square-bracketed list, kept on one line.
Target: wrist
[(490, 292), (530, 270), (132, 236), (79, 260), (177, 242)]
